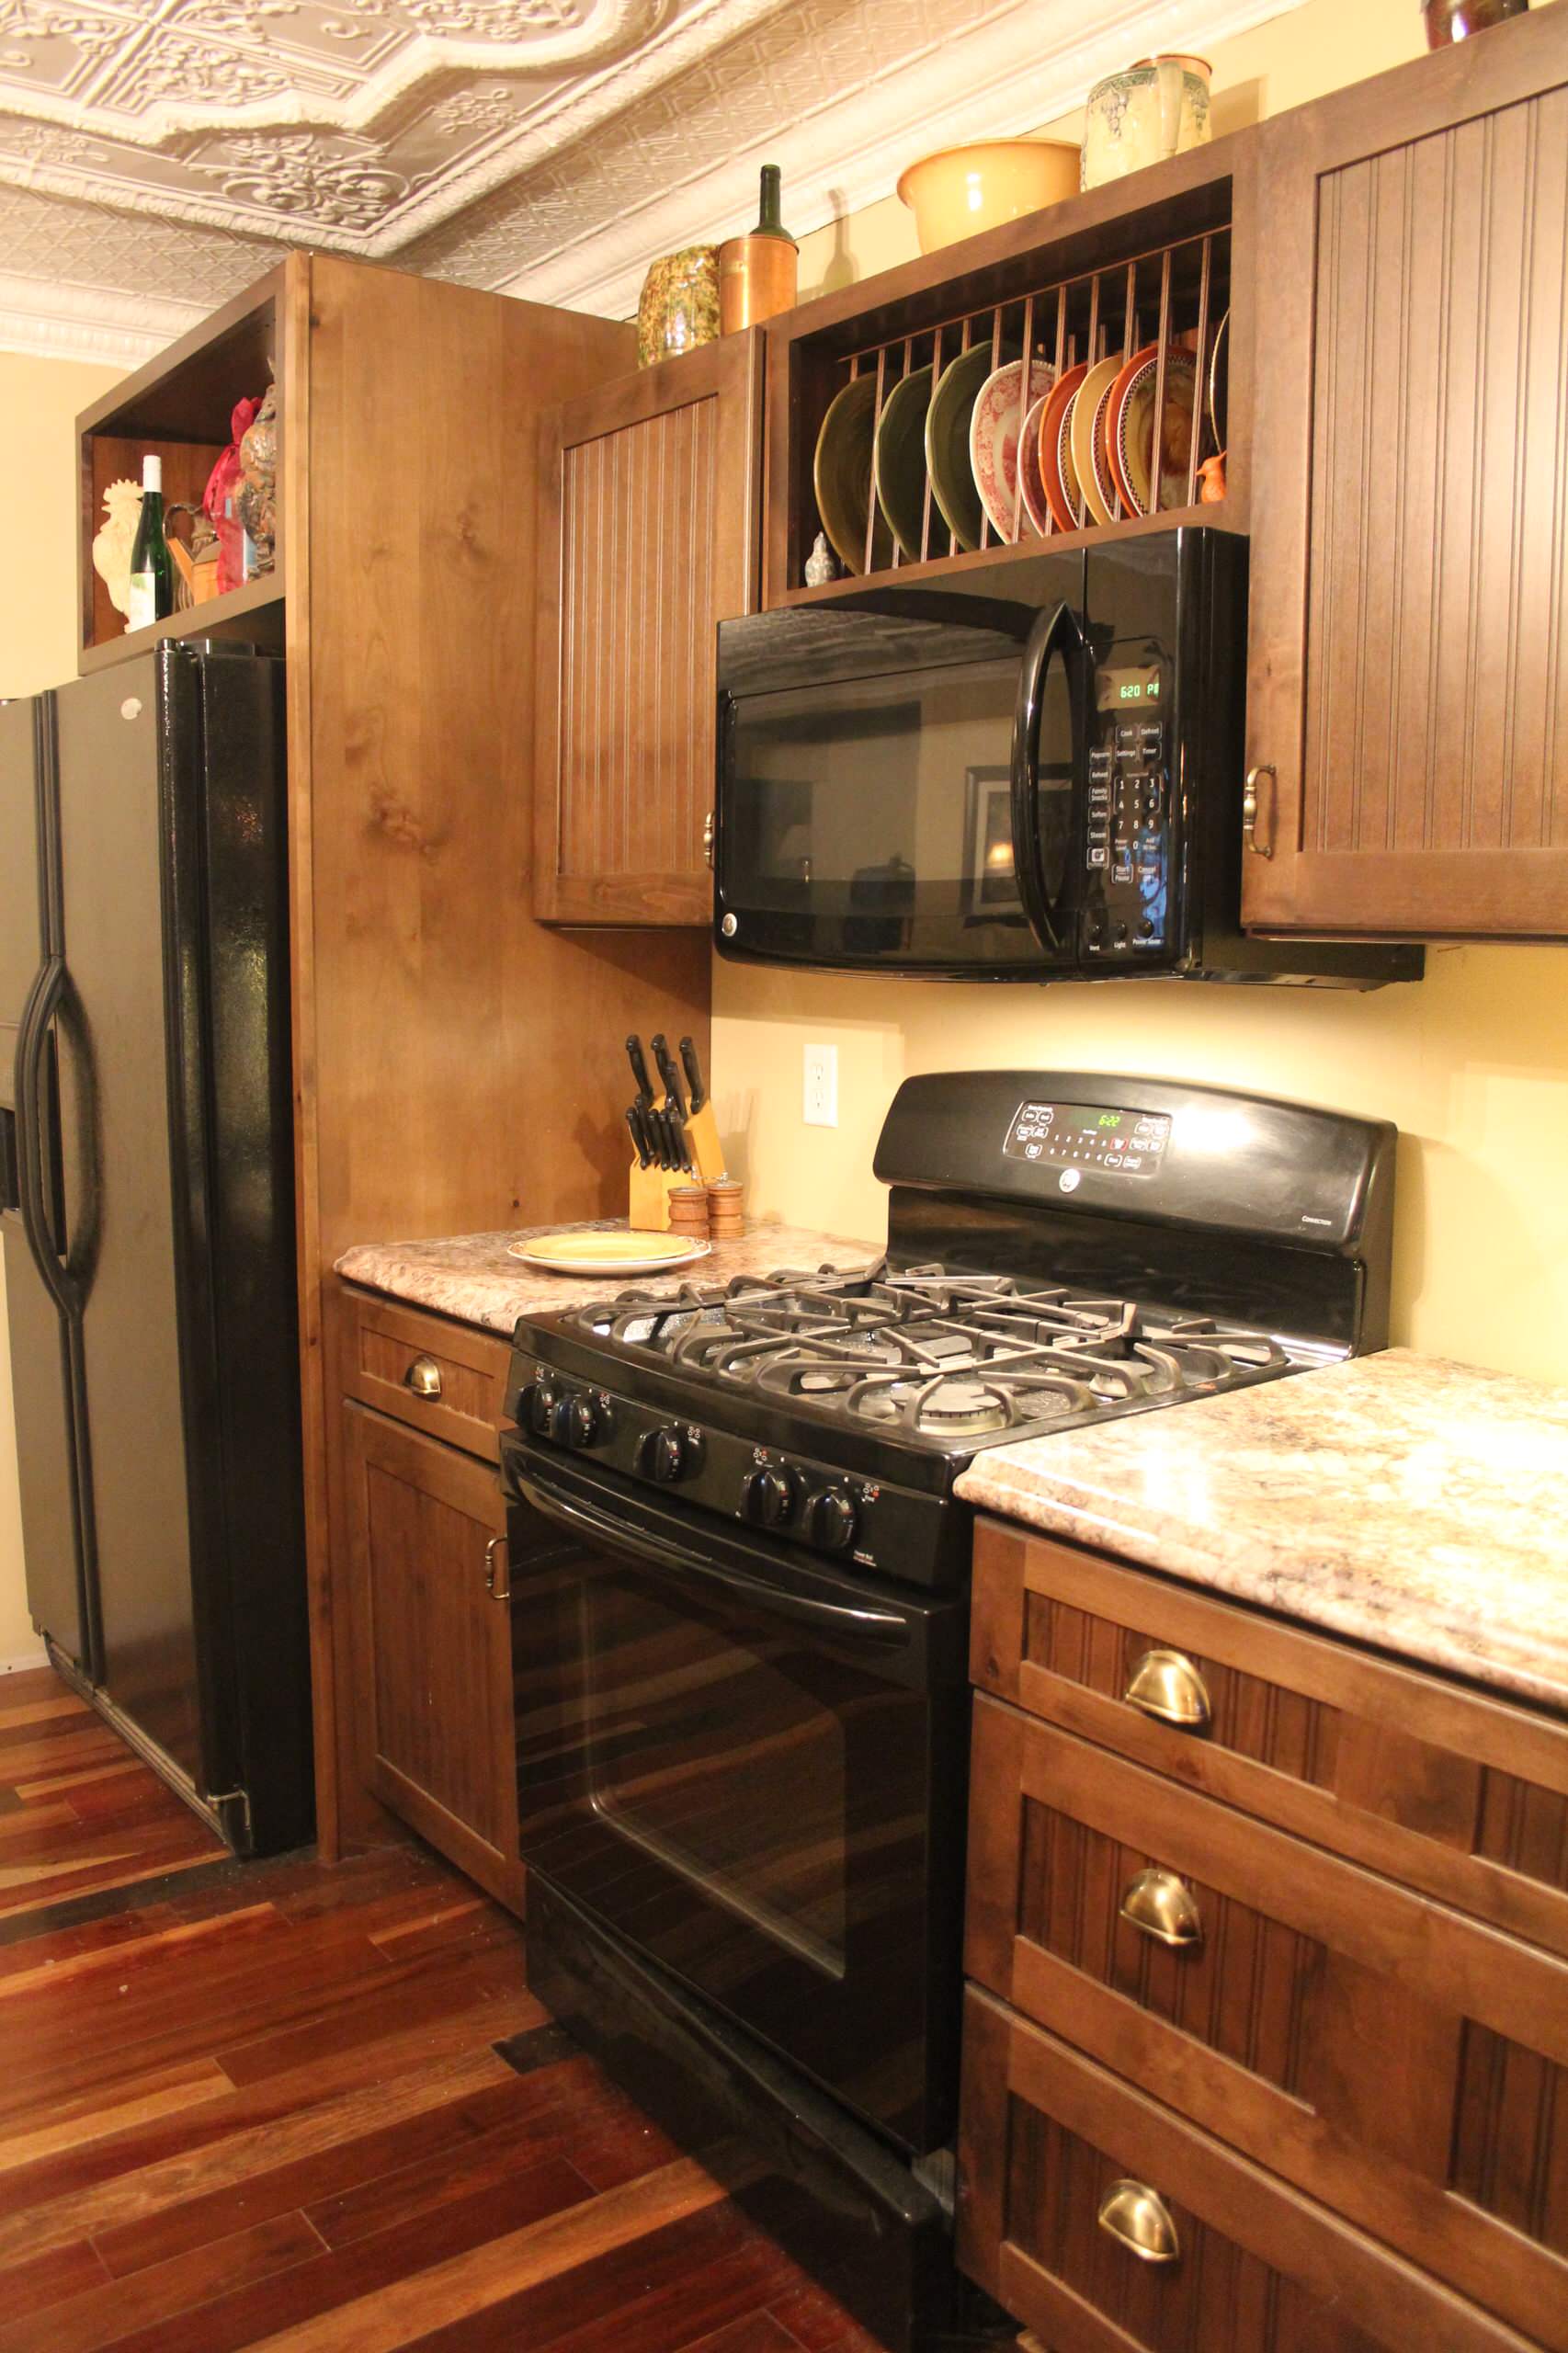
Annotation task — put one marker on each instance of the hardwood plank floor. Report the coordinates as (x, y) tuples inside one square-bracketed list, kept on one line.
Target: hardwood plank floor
[(260, 2106)]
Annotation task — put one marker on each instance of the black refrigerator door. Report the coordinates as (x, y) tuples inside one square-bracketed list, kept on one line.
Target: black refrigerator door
[(119, 1200), (42, 1328), (174, 1107)]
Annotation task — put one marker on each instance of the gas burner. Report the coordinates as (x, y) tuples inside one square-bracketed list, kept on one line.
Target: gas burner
[(931, 1353)]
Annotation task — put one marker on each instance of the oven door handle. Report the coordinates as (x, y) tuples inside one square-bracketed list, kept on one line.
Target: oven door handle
[(843, 1622), (1056, 631)]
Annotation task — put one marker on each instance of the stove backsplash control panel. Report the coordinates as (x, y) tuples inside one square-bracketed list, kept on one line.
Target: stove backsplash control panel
[(1088, 1135)]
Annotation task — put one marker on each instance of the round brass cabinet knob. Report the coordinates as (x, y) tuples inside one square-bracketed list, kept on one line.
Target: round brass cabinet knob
[(1163, 1908), (424, 1377), (1166, 1685), (1140, 2218)]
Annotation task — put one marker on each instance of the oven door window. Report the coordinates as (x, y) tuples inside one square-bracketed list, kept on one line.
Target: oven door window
[(869, 822), (747, 1805)]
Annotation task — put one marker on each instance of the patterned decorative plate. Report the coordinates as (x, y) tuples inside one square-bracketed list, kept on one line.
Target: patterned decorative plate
[(993, 435), (1035, 503), (1129, 427)]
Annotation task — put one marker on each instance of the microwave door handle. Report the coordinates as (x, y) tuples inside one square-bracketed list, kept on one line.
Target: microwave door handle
[(882, 1627), (1057, 631)]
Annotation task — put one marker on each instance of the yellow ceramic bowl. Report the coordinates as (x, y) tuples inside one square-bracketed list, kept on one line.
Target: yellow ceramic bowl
[(962, 190)]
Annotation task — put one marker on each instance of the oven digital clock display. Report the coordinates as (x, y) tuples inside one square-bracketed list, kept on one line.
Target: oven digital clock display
[(1087, 1135)]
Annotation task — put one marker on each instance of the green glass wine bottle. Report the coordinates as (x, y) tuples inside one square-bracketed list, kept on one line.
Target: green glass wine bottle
[(151, 567)]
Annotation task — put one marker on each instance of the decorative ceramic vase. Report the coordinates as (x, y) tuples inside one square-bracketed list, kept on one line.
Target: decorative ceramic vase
[(116, 538), (679, 307), (1452, 20), (258, 500), (1155, 108)]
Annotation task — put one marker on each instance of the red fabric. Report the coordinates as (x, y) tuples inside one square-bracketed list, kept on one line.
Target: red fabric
[(223, 486)]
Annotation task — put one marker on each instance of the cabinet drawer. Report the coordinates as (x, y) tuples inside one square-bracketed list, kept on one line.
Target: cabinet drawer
[(1454, 1792), (1407, 2065), (1045, 2135), (445, 1378)]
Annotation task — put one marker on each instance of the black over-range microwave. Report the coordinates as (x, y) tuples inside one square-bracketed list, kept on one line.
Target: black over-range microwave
[(1031, 772)]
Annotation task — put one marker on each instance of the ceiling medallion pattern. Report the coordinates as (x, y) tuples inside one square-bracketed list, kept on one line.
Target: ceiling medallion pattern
[(545, 147)]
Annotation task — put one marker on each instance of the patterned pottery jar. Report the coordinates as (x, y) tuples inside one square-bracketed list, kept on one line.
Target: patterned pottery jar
[(680, 306), (1155, 108)]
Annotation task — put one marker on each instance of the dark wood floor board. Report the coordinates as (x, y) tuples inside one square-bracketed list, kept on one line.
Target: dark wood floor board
[(316, 2109), (27, 2288), (442, 2139), (327, 2303), (106, 2314), (712, 2252), (818, 2324), (61, 2142), (760, 2334), (228, 2143), (571, 2112)]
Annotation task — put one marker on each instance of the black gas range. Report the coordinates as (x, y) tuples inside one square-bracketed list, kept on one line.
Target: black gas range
[(743, 1695)]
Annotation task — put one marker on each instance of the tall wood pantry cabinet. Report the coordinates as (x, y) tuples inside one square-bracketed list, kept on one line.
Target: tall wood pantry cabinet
[(458, 1067)]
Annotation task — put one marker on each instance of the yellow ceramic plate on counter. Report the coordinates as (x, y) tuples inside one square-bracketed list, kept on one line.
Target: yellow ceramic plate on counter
[(616, 1253)]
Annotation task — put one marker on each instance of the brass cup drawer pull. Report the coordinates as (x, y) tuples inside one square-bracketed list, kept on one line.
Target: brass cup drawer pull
[(1139, 2218), (497, 1580), (1160, 1905), (424, 1377), (1169, 1687)]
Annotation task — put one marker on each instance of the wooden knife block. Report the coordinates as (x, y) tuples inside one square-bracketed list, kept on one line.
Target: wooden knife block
[(647, 1210)]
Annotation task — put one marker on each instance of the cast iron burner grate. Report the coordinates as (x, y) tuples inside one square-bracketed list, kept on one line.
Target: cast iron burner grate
[(931, 1354)]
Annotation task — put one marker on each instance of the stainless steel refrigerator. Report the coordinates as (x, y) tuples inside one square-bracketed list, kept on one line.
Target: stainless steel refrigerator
[(147, 1210)]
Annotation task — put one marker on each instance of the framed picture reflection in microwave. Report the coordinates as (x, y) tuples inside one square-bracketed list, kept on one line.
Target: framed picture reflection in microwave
[(990, 886)]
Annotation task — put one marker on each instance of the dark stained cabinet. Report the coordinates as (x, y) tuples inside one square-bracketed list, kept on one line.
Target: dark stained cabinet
[(650, 537), (1408, 689), (1254, 1962), (428, 1533)]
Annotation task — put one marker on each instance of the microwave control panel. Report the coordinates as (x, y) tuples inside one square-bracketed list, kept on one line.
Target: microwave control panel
[(1127, 838)]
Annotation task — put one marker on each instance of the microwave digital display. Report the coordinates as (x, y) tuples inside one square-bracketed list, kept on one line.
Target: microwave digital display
[(1089, 1135), (1128, 689)]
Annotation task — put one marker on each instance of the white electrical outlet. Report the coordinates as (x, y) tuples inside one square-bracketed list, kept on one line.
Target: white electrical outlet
[(820, 1104)]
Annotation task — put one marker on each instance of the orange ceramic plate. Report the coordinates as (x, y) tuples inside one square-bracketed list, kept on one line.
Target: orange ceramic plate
[(1062, 493)]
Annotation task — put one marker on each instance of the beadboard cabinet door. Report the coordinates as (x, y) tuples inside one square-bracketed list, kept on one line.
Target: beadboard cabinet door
[(650, 537), (1408, 693)]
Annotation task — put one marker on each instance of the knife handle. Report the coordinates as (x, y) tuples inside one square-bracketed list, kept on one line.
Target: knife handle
[(669, 1074), (634, 1055), (642, 1158), (693, 1070)]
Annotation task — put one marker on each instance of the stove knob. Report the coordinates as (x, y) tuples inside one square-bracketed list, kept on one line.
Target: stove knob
[(669, 1455), (830, 1520), (538, 1401), (768, 1497), (576, 1421)]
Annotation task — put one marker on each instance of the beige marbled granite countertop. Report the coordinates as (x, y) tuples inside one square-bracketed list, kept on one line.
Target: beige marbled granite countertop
[(1397, 1499), (473, 1278)]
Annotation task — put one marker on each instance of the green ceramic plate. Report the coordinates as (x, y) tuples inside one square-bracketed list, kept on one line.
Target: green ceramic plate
[(899, 461), (841, 475), (946, 439)]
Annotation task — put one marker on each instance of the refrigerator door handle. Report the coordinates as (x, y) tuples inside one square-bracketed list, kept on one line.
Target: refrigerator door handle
[(37, 1181)]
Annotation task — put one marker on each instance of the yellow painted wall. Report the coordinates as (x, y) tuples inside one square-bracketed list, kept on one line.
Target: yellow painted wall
[(1473, 1064), (39, 401)]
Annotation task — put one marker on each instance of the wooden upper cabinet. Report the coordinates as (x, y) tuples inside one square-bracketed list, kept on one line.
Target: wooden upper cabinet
[(649, 539), (1408, 698)]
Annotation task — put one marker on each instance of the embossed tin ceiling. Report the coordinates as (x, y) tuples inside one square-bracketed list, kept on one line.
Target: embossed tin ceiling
[(546, 146)]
